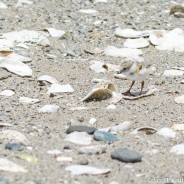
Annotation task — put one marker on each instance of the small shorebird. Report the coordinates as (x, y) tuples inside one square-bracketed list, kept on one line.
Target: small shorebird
[(135, 71)]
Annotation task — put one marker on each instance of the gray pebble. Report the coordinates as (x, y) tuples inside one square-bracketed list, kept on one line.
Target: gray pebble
[(14, 146), (126, 155), (4, 180), (104, 136), (89, 130)]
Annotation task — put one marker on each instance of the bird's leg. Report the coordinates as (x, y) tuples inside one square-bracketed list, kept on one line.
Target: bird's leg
[(142, 86), (128, 92)]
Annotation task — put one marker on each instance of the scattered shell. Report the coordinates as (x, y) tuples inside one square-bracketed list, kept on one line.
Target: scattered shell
[(64, 159), (96, 149), (166, 132), (111, 67), (157, 37), (130, 33), (178, 149), (97, 66), (102, 91), (179, 68), (49, 109), (7, 93), (55, 32), (122, 52), (7, 165), (6, 45), (16, 57), (16, 67), (121, 127), (3, 6), (111, 107), (48, 79), (92, 121), (83, 169), (81, 138), (136, 43), (88, 11), (179, 99), (29, 158), (179, 127), (100, 1), (15, 136), (93, 50), (147, 129), (54, 152), (22, 2), (27, 36), (58, 88), (4, 74), (173, 72), (174, 41), (27, 100)]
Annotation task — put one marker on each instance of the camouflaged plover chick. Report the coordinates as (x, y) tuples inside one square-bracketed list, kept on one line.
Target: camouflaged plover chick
[(135, 71)]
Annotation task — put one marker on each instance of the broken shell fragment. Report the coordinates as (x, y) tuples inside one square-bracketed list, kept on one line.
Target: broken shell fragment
[(136, 43), (55, 32), (48, 79)]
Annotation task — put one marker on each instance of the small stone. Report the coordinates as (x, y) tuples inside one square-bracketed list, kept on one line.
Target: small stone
[(4, 180), (179, 99), (166, 132), (104, 136), (92, 121), (14, 146), (80, 118), (64, 159), (126, 155), (96, 149), (111, 107), (70, 53), (80, 138), (89, 130), (4, 74)]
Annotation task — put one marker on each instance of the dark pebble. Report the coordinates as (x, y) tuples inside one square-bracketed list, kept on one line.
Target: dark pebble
[(89, 130), (104, 136), (126, 155), (14, 146)]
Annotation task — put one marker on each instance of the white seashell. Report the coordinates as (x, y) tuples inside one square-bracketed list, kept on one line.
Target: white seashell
[(83, 169), (122, 52), (178, 149), (173, 72), (22, 45), (157, 37), (136, 43), (9, 166), (174, 41), (22, 2), (96, 149), (179, 127), (97, 66), (121, 127), (3, 6), (15, 136), (166, 132), (17, 57), (54, 152), (16, 67), (48, 79), (111, 107), (27, 36), (58, 88), (130, 33), (54, 32), (179, 68), (49, 109), (100, 1), (27, 100), (64, 159), (80, 138), (179, 99), (7, 93), (92, 121), (88, 11), (6, 45)]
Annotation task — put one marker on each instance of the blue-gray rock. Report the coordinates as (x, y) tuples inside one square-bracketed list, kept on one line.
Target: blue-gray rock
[(4, 180), (104, 136), (89, 130), (14, 146), (126, 155)]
